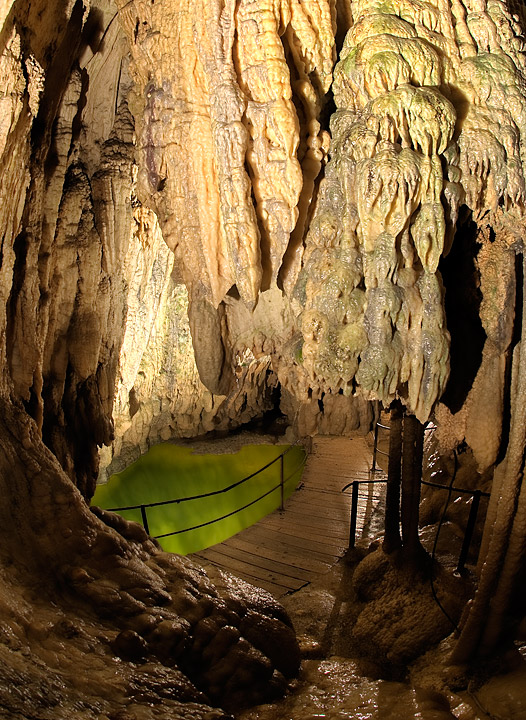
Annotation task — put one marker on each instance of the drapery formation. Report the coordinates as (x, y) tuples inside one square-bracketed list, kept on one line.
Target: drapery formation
[(233, 81), (422, 127)]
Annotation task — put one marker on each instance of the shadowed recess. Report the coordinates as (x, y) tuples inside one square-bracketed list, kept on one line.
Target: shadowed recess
[(463, 297)]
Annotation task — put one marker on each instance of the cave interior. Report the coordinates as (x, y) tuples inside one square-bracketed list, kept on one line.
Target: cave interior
[(221, 214)]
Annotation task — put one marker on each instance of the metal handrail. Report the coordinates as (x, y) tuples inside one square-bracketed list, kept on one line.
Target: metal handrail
[(470, 525), (142, 507), (455, 489), (476, 495), (234, 512), (429, 428), (376, 449)]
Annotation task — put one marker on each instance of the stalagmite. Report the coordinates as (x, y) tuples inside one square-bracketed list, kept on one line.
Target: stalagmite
[(502, 558)]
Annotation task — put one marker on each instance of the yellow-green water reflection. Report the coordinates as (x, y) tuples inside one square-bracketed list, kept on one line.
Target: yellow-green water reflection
[(167, 472)]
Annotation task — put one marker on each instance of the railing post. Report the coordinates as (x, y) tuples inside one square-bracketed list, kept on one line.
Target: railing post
[(354, 513), (470, 527), (145, 519), (281, 481), (375, 446)]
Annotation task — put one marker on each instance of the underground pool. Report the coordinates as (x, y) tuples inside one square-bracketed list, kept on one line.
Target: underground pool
[(172, 472)]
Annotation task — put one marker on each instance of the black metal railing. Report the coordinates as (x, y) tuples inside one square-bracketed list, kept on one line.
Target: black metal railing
[(355, 484), (476, 495), (376, 449), (175, 501), (429, 427)]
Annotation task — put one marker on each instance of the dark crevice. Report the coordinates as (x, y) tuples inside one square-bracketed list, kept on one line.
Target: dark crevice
[(76, 126), (57, 78), (462, 304), (343, 24), (34, 405), (52, 158), (306, 204), (134, 402), (327, 111), (264, 243), (297, 239), (93, 32), (20, 249), (233, 292), (74, 426)]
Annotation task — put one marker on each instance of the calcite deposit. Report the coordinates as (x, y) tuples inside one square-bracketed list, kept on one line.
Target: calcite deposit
[(409, 148), (212, 207)]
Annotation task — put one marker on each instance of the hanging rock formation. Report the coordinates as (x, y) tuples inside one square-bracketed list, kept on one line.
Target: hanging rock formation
[(159, 159), (416, 135)]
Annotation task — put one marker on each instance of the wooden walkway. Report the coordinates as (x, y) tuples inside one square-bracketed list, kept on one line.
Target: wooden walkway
[(286, 550)]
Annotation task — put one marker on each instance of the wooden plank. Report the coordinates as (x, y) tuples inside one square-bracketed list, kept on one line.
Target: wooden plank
[(310, 546), (321, 502), (240, 571), (272, 588), (318, 508), (308, 534), (313, 507), (332, 526), (280, 553), (321, 498), (323, 531), (254, 560), (296, 547), (339, 478), (328, 536), (235, 565), (352, 457)]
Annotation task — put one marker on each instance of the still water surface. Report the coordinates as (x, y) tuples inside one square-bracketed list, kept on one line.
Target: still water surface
[(167, 472)]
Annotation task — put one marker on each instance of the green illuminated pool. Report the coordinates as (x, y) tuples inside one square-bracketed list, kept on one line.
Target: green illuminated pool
[(167, 472)]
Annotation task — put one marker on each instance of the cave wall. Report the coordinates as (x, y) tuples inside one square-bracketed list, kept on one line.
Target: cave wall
[(65, 231), (158, 156), (96, 340), (96, 619)]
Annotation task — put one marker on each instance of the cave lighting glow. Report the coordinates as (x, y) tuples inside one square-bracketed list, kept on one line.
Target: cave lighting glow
[(169, 471)]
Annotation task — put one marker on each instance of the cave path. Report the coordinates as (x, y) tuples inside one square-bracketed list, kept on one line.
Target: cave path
[(288, 549)]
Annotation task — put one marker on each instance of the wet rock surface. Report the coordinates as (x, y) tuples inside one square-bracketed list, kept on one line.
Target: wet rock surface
[(149, 624)]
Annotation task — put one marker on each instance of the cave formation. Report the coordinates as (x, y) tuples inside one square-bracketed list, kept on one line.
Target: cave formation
[(325, 197)]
